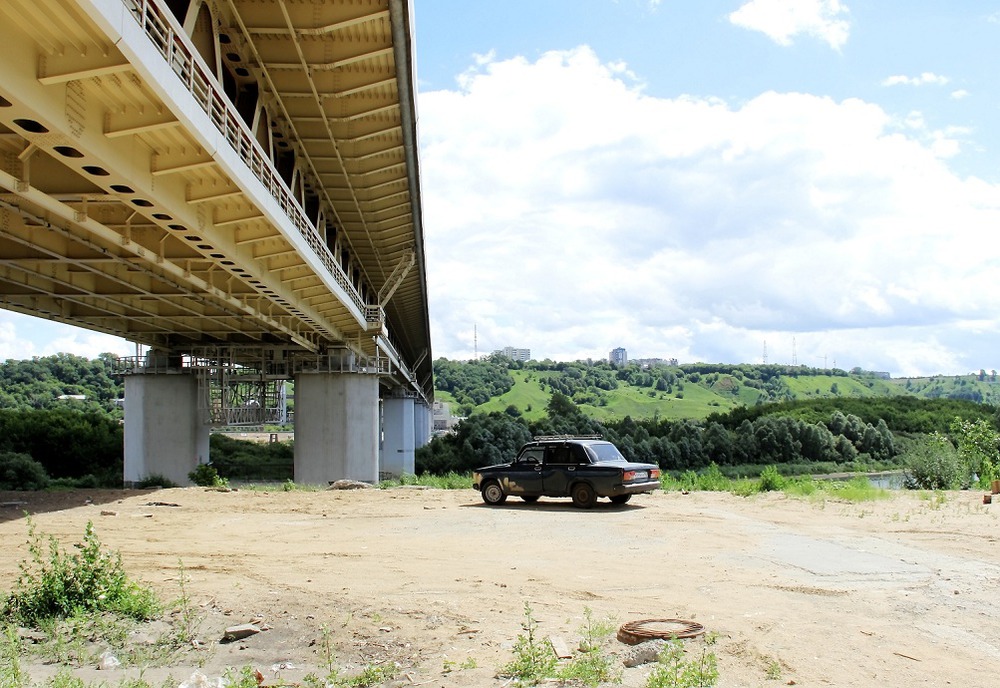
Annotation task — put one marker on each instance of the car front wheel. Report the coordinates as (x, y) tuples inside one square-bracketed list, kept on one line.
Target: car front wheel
[(493, 493), (583, 496)]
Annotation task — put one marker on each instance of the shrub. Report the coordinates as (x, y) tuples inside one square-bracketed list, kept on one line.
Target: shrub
[(60, 585), (934, 465), (771, 480), (155, 480), (205, 475), (21, 472)]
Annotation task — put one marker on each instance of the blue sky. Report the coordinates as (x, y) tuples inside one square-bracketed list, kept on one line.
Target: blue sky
[(692, 180)]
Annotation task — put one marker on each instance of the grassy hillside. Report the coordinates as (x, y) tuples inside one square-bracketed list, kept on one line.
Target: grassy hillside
[(695, 391)]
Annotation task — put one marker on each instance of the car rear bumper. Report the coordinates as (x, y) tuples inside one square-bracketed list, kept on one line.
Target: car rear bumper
[(634, 488)]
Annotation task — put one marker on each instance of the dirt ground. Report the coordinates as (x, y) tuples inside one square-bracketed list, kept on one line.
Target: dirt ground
[(902, 592)]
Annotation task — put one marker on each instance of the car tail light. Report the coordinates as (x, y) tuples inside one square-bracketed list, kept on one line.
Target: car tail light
[(629, 475), (655, 474)]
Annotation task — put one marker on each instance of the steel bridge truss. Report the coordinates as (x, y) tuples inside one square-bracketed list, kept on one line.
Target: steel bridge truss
[(246, 386)]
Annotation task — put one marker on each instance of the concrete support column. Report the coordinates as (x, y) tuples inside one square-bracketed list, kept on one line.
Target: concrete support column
[(423, 423), (336, 427), (164, 433), (397, 433)]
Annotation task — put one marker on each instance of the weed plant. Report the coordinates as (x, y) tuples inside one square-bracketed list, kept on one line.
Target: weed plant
[(533, 660), (11, 675), (674, 670), (593, 666), (53, 584)]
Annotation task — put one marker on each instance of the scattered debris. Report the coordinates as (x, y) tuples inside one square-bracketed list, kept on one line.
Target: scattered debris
[(199, 680), (161, 504), (560, 647), (635, 632), (108, 661), (240, 632), (107, 512)]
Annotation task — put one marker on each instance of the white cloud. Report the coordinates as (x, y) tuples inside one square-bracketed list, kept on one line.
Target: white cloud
[(783, 20), (922, 79), (24, 337), (569, 213)]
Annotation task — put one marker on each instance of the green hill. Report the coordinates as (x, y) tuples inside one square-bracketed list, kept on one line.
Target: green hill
[(693, 391)]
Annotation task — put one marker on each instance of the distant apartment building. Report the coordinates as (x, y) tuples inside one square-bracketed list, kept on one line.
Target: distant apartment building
[(514, 354), (618, 357), (651, 362), (443, 421)]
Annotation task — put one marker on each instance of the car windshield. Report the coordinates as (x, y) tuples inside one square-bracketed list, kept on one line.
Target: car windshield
[(604, 451)]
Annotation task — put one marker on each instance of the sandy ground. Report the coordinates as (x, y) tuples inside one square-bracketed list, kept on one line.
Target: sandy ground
[(901, 592)]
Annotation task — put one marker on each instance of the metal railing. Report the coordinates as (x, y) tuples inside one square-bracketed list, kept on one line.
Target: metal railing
[(175, 47)]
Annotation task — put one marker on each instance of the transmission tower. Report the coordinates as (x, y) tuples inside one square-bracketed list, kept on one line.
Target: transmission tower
[(765, 352), (795, 356)]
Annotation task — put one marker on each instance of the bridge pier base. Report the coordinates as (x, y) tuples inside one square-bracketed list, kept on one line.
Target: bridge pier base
[(398, 437), (336, 427), (164, 433)]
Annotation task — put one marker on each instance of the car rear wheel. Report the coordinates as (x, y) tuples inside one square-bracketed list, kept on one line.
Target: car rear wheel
[(583, 496), (621, 499), (493, 493), (530, 499)]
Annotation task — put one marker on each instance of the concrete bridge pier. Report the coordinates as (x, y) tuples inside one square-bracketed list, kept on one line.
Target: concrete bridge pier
[(398, 437), (423, 423), (165, 434), (336, 427)]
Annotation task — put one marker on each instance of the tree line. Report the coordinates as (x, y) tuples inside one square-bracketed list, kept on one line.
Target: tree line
[(806, 436)]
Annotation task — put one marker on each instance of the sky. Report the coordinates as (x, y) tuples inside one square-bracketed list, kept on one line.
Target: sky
[(814, 181)]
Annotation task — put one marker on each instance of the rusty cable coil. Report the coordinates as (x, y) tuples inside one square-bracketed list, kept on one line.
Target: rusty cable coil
[(635, 632)]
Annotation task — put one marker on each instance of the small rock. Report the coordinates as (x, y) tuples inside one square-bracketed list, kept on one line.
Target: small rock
[(348, 485), (239, 632), (644, 653), (106, 512)]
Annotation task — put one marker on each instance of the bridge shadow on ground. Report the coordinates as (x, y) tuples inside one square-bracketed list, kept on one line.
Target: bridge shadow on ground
[(14, 504)]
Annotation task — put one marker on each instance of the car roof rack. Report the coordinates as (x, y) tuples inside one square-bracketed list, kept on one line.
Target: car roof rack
[(541, 438)]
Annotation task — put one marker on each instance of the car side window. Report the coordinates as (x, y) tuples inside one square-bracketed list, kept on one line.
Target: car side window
[(531, 456), (558, 454), (579, 454)]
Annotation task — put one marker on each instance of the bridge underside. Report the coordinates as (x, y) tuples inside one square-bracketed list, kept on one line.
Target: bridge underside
[(233, 183)]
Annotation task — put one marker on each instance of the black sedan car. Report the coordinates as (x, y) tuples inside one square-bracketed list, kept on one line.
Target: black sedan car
[(583, 468)]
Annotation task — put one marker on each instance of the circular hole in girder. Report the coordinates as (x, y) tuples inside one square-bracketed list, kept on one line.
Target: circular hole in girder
[(142, 203), (224, 39), (4, 102), (234, 57), (205, 247), (68, 152), (192, 237), (121, 188), (242, 71), (216, 255), (177, 228), (162, 216), (96, 171), (227, 262), (32, 126)]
